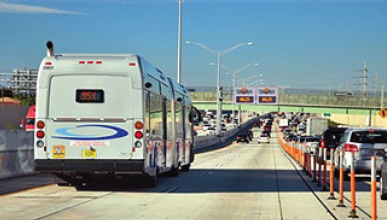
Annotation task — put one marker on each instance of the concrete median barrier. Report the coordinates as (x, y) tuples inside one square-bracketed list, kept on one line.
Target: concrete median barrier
[(204, 142), (16, 153)]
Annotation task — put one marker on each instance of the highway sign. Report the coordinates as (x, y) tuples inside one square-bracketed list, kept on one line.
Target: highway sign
[(244, 95), (382, 113), (267, 95)]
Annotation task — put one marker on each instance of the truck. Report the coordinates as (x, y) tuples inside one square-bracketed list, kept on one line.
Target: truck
[(316, 126), (283, 123)]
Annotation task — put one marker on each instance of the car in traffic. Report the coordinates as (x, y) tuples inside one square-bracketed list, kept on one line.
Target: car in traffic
[(363, 143), (250, 135), (383, 177), (331, 139), (263, 138), (243, 137), (210, 131)]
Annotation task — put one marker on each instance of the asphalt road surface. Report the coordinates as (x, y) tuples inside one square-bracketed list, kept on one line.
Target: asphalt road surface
[(241, 181)]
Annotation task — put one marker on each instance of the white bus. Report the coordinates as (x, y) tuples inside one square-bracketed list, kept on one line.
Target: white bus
[(110, 115)]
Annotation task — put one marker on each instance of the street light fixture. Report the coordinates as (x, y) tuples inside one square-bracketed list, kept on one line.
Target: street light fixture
[(235, 72), (219, 54)]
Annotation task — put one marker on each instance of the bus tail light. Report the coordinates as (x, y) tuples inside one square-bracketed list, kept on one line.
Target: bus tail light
[(138, 125), (40, 124), (40, 134), (351, 148), (138, 134)]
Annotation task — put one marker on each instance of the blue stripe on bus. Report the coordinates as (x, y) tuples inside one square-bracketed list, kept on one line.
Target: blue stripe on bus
[(64, 131)]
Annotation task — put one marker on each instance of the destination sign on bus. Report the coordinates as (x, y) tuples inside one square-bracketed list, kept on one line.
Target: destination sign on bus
[(89, 96)]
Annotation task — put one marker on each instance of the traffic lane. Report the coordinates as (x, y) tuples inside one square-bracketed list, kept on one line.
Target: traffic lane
[(221, 188), (36, 203), (241, 181)]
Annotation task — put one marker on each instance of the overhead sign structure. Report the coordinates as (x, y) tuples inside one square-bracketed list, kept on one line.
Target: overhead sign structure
[(243, 95), (267, 95), (382, 113)]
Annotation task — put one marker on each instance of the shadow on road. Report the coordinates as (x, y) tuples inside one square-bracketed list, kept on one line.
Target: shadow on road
[(218, 181)]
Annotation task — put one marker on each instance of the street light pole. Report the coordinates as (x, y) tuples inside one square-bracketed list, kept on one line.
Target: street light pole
[(233, 102), (235, 72), (219, 54), (219, 100), (2, 88), (179, 37)]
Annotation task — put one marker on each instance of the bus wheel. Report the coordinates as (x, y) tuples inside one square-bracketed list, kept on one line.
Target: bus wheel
[(151, 181), (174, 172), (186, 167)]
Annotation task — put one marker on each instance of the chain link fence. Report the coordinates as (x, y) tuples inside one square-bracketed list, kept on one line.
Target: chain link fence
[(305, 97)]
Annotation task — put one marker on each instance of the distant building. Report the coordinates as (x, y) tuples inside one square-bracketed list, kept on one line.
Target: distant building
[(23, 81)]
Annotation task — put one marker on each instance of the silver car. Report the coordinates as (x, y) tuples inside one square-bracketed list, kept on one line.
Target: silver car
[(364, 143)]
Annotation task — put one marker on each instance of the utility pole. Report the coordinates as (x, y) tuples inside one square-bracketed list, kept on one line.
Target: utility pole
[(376, 84), (365, 80)]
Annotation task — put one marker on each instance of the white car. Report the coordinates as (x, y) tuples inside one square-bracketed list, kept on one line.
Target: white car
[(205, 127), (210, 131), (263, 138)]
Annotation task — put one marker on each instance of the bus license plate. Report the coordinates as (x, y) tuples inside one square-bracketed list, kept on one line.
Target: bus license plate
[(89, 154)]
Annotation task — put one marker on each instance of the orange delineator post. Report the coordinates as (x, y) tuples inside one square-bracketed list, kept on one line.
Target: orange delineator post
[(341, 184), (332, 176), (373, 188), (320, 150), (314, 165), (310, 161), (305, 159), (353, 214), (325, 170)]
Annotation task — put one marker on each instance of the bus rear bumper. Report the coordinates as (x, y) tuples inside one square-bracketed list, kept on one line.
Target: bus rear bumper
[(80, 165)]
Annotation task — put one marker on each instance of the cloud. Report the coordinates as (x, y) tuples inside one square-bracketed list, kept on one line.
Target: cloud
[(30, 9)]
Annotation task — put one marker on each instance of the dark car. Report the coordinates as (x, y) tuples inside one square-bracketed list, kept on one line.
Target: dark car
[(331, 139), (243, 137), (250, 135)]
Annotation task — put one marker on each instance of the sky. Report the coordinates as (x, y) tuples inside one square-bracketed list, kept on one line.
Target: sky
[(297, 43)]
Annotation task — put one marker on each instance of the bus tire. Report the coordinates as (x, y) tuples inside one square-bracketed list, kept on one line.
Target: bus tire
[(174, 172), (151, 181), (185, 168)]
